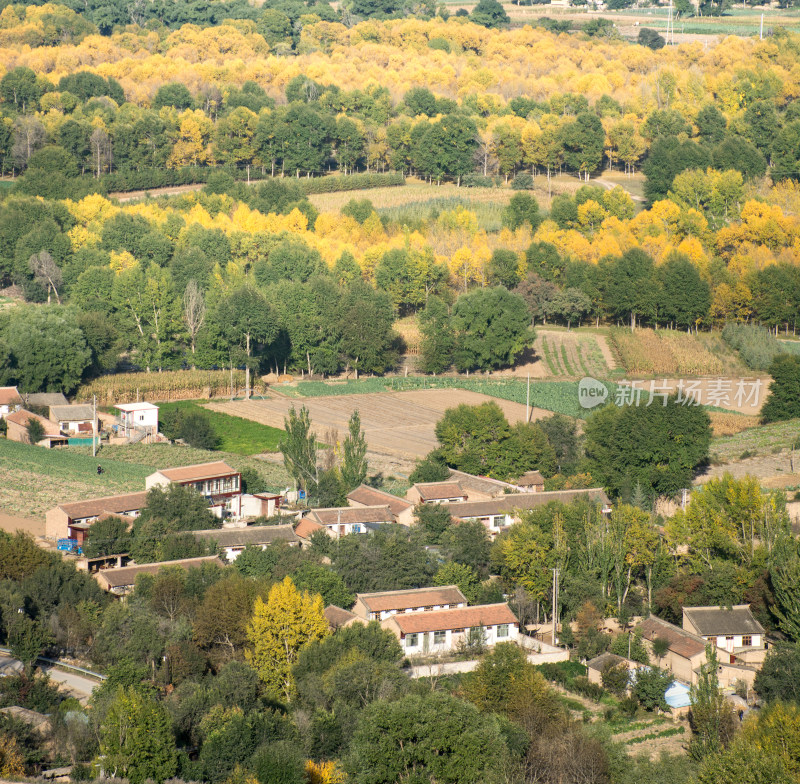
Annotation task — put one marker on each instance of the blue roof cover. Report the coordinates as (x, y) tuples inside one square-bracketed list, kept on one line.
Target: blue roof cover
[(678, 695)]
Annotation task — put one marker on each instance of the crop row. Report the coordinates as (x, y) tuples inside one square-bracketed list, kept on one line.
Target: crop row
[(166, 385), (663, 352)]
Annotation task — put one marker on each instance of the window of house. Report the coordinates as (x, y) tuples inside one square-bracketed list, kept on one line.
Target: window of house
[(729, 639), (356, 528), (502, 630), (439, 638), (747, 640), (412, 640), (458, 631), (428, 608)]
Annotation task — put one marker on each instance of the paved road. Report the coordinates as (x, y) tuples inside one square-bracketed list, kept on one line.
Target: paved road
[(78, 683)]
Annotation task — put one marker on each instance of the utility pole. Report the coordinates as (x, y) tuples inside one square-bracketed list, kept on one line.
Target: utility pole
[(761, 32), (528, 401), (555, 606), (94, 425)]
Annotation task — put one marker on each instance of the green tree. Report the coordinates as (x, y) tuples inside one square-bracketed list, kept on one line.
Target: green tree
[(562, 434), (172, 94), (745, 763), (779, 676), (438, 339), (492, 328), (136, 740), (503, 268), (685, 297), (490, 13), (35, 430), (319, 579), (434, 737), (784, 389), (711, 714), (279, 629), (433, 520), (651, 39), (784, 575), (471, 438), (659, 446), (522, 209), (299, 449), (27, 639), (583, 141), (109, 536), (452, 573), (354, 454), (650, 686)]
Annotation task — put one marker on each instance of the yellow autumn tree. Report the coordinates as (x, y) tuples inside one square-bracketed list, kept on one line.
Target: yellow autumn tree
[(280, 628), (329, 772), (193, 144)]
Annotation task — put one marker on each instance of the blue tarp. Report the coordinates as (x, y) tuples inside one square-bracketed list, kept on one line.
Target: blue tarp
[(677, 695), (80, 441)]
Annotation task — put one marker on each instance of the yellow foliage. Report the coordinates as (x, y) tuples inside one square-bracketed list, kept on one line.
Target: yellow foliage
[(122, 260), (324, 772)]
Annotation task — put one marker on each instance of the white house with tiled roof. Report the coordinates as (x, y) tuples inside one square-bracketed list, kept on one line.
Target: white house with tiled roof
[(383, 604)]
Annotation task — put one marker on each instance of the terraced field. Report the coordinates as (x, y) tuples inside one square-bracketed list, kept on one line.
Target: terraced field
[(572, 354)]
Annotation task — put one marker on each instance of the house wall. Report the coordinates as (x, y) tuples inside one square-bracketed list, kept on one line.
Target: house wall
[(155, 480), (56, 524), (729, 676), (406, 517), (74, 426), (731, 642), (424, 643), (362, 611), (412, 494), (681, 667)]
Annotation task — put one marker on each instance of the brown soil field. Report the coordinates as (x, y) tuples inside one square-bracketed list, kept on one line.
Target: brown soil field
[(10, 524), (399, 425)]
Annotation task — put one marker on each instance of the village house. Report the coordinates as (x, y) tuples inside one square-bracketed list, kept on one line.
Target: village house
[(251, 505), (383, 604), (233, 541), (73, 520), (436, 493), (305, 529), (530, 482), (364, 495), (595, 667), (443, 631), (121, 582), (732, 629), (10, 400), (686, 654), (44, 400), (137, 419), (338, 617), (217, 482), (481, 488), (499, 513), (17, 429), (74, 419), (344, 520)]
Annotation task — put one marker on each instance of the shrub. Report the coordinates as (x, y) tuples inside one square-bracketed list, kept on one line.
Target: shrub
[(757, 346), (476, 181), (522, 182), (582, 685), (439, 43)]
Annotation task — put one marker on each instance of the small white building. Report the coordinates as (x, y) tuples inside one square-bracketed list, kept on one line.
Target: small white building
[(734, 629), (442, 631), (74, 419), (233, 541), (135, 417)]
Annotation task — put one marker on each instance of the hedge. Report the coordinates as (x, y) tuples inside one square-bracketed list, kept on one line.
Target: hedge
[(351, 182)]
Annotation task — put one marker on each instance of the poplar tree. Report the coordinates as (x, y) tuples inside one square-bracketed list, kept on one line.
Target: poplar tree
[(354, 454)]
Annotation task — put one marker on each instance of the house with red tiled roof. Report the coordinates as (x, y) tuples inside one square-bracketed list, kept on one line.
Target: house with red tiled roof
[(10, 400), (381, 605), (338, 617), (443, 631), (74, 519), (364, 495), (436, 493), (121, 581), (17, 429), (217, 481), (343, 520)]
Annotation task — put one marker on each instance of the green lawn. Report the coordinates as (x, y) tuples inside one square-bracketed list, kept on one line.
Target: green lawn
[(240, 436)]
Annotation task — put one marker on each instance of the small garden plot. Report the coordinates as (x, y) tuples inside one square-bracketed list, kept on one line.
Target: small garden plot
[(663, 352), (571, 354)]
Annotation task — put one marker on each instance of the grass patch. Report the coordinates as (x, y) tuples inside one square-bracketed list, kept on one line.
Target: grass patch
[(237, 435), (758, 440), (653, 735), (38, 479)]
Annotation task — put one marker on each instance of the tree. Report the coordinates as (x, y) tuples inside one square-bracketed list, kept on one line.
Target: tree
[(685, 296), (745, 763), (616, 678), (299, 449), (221, 620), (172, 94), (194, 311), (784, 574), (583, 141), (109, 536), (136, 738), (472, 438), (522, 209), (492, 329), (779, 676), (35, 430), (433, 520), (711, 715), (46, 272), (465, 577), (279, 629), (562, 434), (628, 285), (651, 39), (650, 686), (354, 455), (503, 268), (784, 389), (319, 579), (27, 639), (438, 340), (490, 13), (435, 736)]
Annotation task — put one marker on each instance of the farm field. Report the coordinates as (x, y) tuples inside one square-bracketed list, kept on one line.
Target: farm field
[(37, 479), (237, 435), (572, 354), (398, 424)]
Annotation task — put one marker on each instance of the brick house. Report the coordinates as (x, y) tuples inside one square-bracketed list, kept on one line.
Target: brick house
[(383, 604)]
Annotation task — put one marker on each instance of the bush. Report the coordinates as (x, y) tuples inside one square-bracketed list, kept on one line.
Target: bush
[(651, 39), (757, 346), (522, 182), (582, 685), (476, 181), (439, 43), (351, 182)]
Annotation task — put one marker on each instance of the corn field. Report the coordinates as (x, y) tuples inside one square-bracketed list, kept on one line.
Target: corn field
[(164, 386), (663, 352)]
